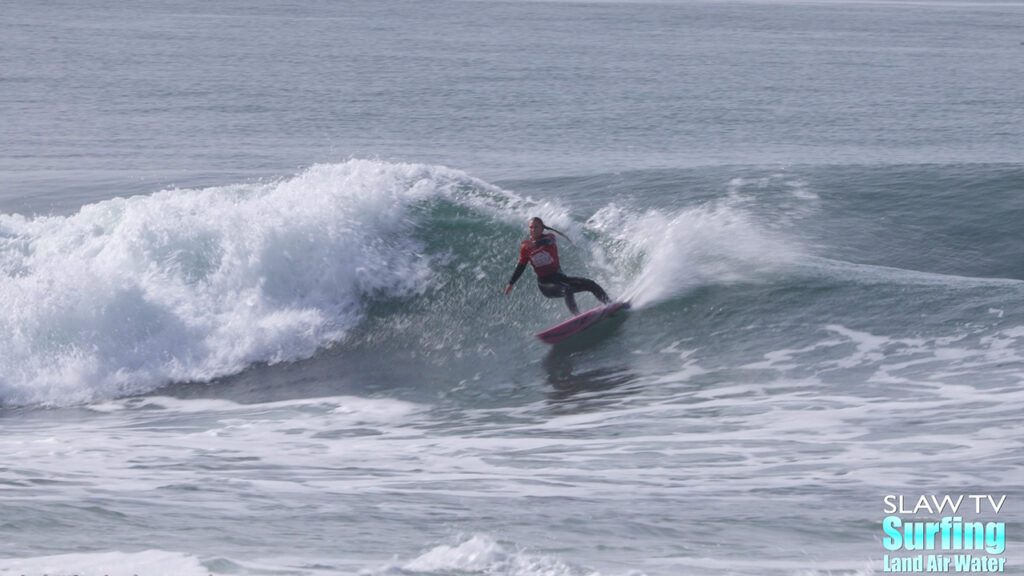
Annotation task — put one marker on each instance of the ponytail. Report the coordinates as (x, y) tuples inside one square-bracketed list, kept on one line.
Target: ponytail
[(559, 233), (546, 227)]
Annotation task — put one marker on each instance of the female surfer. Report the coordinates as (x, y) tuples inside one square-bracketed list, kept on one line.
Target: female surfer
[(541, 252)]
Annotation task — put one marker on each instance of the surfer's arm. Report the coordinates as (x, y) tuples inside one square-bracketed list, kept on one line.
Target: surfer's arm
[(515, 276)]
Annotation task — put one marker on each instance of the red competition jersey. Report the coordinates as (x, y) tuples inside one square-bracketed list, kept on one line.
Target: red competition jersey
[(542, 254)]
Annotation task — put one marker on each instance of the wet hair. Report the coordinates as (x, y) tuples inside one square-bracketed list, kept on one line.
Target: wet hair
[(546, 227)]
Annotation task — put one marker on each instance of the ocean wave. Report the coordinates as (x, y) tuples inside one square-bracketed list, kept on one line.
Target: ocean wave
[(153, 562), (481, 554), (407, 261), (189, 285)]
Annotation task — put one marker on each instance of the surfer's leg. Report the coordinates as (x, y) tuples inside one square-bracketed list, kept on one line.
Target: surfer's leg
[(559, 286), (588, 285), (570, 301)]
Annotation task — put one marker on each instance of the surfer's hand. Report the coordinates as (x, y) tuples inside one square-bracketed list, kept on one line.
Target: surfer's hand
[(508, 289)]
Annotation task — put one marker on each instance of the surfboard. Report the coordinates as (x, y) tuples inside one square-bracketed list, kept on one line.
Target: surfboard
[(579, 323)]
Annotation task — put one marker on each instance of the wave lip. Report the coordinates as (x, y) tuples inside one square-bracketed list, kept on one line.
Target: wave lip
[(189, 285)]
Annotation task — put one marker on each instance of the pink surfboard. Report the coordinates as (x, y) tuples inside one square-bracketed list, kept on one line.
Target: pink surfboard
[(577, 324)]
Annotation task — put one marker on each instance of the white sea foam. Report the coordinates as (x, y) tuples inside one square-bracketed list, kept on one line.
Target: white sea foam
[(677, 251), (481, 554), (150, 563)]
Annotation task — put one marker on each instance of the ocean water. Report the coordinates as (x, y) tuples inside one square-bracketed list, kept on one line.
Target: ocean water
[(252, 258)]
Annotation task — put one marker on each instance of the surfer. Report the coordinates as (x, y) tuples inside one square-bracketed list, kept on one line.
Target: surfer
[(541, 252)]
